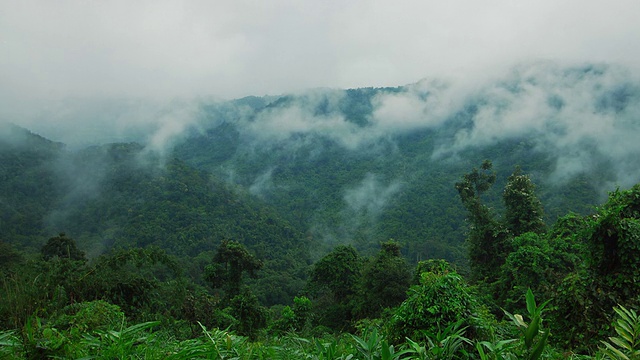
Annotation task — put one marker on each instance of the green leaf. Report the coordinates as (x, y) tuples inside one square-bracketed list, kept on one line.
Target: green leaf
[(537, 351), (386, 351), (623, 329), (531, 331), (531, 302), (140, 327), (621, 343), (483, 355), (614, 353)]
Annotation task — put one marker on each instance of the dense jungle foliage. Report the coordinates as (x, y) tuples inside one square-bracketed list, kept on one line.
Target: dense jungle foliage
[(238, 243)]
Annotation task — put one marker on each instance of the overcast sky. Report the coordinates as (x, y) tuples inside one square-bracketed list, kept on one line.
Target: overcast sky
[(52, 51), (232, 48)]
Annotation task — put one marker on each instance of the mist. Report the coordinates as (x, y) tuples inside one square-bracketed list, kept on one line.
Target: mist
[(370, 196), (576, 113), (582, 116), (62, 62)]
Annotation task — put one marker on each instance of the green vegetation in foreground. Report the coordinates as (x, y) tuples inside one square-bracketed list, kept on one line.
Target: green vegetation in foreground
[(99, 330)]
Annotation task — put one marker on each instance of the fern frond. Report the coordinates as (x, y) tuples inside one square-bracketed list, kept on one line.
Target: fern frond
[(626, 345), (613, 353), (621, 343)]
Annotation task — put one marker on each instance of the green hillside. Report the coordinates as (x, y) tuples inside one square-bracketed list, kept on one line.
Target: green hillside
[(117, 196), (28, 185), (339, 167)]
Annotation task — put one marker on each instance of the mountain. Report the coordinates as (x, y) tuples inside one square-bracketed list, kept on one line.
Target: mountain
[(27, 182), (361, 166), (119, 196), (292, 176)]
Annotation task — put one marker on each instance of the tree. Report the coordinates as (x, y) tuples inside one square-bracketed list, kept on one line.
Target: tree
[(229, 263), (333, 282), (338, 271), (523, 210), (473, 185), (385, 280), (133, 279), (248, 312), (532, 264), (297, 318), (614, 242), (436, 266), (607, 273), (441, 299), (488, 242), (9, 257), (62, 247)]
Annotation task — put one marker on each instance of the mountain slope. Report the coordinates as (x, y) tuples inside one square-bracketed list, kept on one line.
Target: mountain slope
[(364, 165), (118, 195), (27, 182)]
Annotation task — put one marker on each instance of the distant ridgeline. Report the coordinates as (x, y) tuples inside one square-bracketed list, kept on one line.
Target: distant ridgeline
[(292, 176)]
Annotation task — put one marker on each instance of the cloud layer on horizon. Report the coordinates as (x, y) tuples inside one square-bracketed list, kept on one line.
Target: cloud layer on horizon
[(160, 49), (582, 115), (72, 70)]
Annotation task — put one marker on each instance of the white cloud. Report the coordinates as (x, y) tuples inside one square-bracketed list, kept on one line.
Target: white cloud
[(170, 125), (575, 113), (426, 104), (263, 183), (301, 116), (370, 196), (233, 48)]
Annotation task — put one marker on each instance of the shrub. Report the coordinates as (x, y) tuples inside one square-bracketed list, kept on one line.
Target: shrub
[(438, 302)]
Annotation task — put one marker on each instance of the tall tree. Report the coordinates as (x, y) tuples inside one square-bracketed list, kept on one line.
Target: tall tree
[(473, 185), (523, 210), (385, 281), (333, 282), (487, 241), (62, 247), (338, 271), (607, 273), (614, 243), (230, 262)]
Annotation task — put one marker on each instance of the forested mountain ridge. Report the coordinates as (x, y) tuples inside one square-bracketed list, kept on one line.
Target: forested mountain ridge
[(364, 165), (117, 196), (361, 166)]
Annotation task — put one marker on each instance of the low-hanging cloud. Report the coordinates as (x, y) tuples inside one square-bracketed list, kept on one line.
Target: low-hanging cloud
[(85, 122), (364, 202), (371, 196), (582, 115), (314, 113), (426, 104), (170, 125), (263, 183), (578, 114), (318, 114)]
